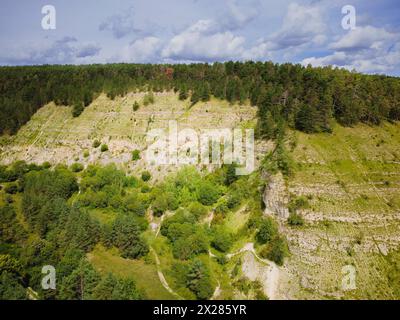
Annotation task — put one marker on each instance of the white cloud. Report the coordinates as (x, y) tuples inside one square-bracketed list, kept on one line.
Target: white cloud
[(128, 23), (61, 51), (301, 25), (367, 37), (258, 52), (141, 51), (239, 14), (369, 50), (203, 42), (335, 59)]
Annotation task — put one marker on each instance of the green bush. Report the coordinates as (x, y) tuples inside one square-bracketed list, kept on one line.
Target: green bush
[(12, 188), (207, 193), (222, 240), (46, 165), (276, 250), (146, 175), (295, 219), (267, 230), (77, 109), (126, 237), (76, 167), (160, 205), (197, 209), (298, 203), (135, 155), (96, 143), (135, 106), (230, 175), (234, 200), (85, 153), (186, 247), (104, 148), (199, 280), (148, 98)]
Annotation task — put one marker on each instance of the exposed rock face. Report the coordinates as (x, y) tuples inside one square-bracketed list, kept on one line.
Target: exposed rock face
[(265, 272), (275, 196)]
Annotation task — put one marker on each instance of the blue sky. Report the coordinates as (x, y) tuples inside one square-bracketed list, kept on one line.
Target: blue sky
[(181, 31)]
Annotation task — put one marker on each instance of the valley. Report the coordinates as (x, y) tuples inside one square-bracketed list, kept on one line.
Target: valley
[(344, 185)]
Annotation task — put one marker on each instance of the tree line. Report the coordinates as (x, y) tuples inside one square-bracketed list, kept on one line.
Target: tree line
[(305, 98)]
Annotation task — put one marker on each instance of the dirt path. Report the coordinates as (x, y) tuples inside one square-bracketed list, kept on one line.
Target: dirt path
[(32, 294), (158, 265), (269, 277), (217, 292), (162, 277), (273, 282), (209, 218)]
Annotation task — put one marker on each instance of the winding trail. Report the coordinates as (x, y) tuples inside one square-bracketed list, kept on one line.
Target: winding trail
[(273, 273), (162, 277), (270, 284), (217, 292)]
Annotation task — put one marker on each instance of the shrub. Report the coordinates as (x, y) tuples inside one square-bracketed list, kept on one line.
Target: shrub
[(86, 154), (135, 106), (230, 174), (197, 209), (46, 165), (295, 219), (185, 247), (233, 200), (77, 110), (222, 206), (298, 203), (76, 167), (276, 250), (104, 148), (126, 237), (199, 280), (12, 188), (148, 98), (146, 176), (267, 230), (160, 205), (222, 240), (135, 155), (207, 193), (96, 143)]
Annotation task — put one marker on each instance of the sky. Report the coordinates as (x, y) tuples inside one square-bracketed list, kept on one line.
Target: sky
[(185, 31)]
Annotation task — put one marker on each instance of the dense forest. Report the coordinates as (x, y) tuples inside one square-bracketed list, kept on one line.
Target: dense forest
[(305, 98)]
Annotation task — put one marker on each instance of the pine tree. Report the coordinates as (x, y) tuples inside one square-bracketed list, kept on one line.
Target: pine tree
[(205, 92), (198, 280), (183, 92)]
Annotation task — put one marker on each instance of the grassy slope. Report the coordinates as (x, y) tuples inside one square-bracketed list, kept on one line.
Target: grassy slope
[(54, 135), (145, 274), (353, 178)]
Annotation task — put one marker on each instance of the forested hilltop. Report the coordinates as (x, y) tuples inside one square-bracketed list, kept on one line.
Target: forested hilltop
[(305, 98)]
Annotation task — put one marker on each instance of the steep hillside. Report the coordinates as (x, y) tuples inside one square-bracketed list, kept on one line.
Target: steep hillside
[(348, 183), (339, 208), (54, 135)]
